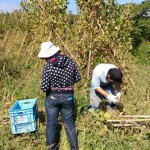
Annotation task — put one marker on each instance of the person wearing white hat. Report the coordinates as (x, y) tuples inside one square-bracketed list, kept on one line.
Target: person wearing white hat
[(59, 75), (48, 49)]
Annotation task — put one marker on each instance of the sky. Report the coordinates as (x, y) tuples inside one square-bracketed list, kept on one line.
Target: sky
[(10, 5)]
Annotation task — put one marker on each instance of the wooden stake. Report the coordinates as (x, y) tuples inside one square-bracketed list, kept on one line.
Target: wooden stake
[(124, 125), (65, 46), (22, 43), (89, 64), (5, 38), (135, 116), (129, 120)]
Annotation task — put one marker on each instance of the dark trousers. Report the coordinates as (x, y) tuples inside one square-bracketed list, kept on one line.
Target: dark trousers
[(96, 97), (62, 103)]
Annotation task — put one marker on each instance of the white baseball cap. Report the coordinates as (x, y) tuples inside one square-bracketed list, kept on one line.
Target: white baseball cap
[(48, 49)]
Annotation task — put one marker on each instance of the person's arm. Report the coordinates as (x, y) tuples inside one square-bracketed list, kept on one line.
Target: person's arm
[(109, 97), (45, 82), (100, 90), (96, 86)]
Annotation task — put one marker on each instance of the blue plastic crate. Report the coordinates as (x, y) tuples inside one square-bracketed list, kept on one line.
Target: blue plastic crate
[(24, 127), (23, 111)]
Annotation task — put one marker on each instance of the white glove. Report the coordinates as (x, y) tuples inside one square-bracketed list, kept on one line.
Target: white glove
[(118, 95), (112, 98)]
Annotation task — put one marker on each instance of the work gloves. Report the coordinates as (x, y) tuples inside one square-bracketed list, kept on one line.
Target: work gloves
[(118, 95), (113, 98)]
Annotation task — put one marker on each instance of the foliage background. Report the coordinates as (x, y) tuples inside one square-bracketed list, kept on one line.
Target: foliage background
[(101, 32)]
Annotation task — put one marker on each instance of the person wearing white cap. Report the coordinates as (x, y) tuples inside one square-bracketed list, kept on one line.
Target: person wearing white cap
[(106, 79), (59, 75)]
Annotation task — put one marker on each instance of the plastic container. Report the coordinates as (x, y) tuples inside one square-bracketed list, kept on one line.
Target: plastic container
[(24, 127), (23, 116)]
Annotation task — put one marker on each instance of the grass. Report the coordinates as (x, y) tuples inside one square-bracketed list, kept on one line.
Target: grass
[(93, 133), (20, 79)]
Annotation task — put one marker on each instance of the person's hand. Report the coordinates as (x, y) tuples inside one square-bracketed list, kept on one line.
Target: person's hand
[(112, 98), (118, 95)]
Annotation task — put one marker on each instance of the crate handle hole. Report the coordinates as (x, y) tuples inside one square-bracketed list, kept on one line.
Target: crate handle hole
[(27, 102), (20, 112)]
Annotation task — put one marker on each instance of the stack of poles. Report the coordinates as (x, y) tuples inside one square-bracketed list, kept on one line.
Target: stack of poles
[(131, 121)]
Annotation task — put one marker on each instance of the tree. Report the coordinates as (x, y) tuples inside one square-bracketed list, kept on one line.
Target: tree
[(141, 27), (44, 16)]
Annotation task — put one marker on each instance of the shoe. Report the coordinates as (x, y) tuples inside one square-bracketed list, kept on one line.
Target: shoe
[(92, 108)]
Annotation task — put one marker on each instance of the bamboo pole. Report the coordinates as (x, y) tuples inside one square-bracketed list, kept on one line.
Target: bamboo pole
[(129, 125), (22, 43), (5, 38), (129, 120), (65, 46), (124, 125), (134, 116), (89, 64)]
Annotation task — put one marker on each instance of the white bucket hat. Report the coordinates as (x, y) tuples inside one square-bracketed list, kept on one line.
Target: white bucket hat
[(48, 49)]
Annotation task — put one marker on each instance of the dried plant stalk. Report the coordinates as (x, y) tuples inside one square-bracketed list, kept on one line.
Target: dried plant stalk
[(66, 47)]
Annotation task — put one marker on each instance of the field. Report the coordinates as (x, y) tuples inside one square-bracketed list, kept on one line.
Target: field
[(101, 32), (93, 132)]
